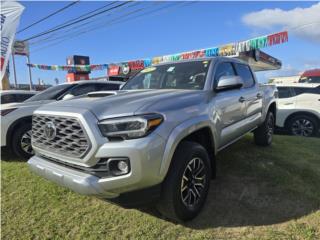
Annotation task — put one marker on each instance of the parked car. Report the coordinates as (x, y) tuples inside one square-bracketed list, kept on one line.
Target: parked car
[(156, 139), (16, 117), (310, 76), (299, 108), (15, 96)]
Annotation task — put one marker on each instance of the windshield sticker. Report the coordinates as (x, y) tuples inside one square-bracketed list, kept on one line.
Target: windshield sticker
[(170, 69), (150, 69)]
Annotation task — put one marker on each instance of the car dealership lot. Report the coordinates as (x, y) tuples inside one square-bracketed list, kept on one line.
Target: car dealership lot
[(264, 193)]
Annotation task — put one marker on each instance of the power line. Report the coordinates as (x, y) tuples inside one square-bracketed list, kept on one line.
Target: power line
[(81, 32), (124, 18), (110, 23), (67, 32), (74, 22), (83, 15), (50, 15)]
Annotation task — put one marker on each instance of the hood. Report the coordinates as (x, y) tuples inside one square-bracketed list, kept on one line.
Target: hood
[(24, 104), (127, 103)]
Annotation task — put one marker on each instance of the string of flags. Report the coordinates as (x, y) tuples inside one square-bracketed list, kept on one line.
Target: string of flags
[(231, 49), (79, 68)]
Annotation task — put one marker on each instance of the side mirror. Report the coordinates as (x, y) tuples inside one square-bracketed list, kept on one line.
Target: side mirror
[(229, 82), (67, 96)]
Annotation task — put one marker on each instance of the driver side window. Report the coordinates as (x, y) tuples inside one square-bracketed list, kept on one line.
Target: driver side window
[(224, 69)]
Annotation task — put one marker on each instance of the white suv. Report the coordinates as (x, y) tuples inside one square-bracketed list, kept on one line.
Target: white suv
[(299, 108), (16, 117)]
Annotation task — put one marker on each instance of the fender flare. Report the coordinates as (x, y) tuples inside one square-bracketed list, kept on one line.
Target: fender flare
[(180, 132), (266, 109)]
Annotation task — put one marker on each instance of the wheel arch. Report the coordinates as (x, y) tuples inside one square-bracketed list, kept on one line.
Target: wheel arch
[(273, 108), (200, 132), (205, 138), (16, 124), (299, 113)]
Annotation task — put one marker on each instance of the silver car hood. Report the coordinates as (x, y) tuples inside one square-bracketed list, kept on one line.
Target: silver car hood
[(127, 103)]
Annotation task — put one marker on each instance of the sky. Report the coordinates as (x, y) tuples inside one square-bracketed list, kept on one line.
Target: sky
[(176, 27)]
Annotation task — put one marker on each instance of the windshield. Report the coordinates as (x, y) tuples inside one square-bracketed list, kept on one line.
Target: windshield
[(51, 93), (184, 75)]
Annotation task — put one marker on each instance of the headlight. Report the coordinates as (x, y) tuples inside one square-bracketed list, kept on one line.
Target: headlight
[(130, 127)]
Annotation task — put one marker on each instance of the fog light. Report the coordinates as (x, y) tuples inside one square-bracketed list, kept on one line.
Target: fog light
[(118, 166), (123, 166)]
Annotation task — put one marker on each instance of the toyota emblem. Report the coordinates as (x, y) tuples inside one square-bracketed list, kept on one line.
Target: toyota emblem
[(50, 130)]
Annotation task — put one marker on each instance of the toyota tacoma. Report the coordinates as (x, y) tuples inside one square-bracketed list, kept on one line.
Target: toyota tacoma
[(156, 139)]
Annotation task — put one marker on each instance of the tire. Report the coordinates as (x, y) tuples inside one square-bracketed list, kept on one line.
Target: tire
[(303, 125), (264, 133), (21, 143), (176, 194)]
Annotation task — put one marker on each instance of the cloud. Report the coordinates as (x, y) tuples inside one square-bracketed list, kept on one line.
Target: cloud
[(303, 22), (286, 70)]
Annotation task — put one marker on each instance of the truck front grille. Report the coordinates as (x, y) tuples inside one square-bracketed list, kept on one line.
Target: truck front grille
[(59, 134)]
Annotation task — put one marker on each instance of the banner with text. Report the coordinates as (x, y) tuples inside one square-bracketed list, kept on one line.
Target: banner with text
[(10, 16)]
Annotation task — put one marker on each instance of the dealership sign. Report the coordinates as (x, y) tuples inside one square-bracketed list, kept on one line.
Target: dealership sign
[(10, 16), (21, 48)]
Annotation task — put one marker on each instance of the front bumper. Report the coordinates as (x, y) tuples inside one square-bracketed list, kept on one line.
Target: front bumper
[(77, 181), (145, 156)]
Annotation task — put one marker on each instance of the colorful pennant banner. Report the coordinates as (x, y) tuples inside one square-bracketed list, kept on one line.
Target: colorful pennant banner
[(231, 49), (79, 68)]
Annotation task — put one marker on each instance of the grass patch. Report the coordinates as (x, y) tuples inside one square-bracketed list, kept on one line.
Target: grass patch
[(259, 193)]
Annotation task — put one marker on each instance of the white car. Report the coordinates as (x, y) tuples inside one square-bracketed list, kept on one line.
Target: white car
[(12, 96), (299, 108), (16, 118)]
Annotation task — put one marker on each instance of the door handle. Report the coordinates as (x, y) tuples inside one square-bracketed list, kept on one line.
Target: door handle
[(242, 99), (259, 95), (288, 103)]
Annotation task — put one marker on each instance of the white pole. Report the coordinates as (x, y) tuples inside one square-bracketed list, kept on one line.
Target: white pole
[(30, 78), (14, 71)]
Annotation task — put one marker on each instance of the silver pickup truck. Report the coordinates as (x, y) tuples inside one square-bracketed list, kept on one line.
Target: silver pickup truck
[(156, 139)]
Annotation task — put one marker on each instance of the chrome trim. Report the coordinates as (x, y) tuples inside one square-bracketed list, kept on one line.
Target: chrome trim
[(83, 119)]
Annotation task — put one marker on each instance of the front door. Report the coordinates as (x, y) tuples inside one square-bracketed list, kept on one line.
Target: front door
[(229, 109)]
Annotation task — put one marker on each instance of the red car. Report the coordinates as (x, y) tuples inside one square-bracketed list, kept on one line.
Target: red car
[(310, 76)]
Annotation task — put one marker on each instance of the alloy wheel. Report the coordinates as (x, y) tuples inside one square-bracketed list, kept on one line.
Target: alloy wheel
[(270, 128), (25, 142), (302, 127), (193, 182)]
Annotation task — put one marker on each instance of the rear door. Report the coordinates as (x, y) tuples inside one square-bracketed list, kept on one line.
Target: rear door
[(307, 97), (251, 95), (286, 98)]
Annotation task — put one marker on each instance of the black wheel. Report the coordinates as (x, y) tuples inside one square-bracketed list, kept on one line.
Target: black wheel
[(186, 186), (303, 125), (21, 141), (263, 134)]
